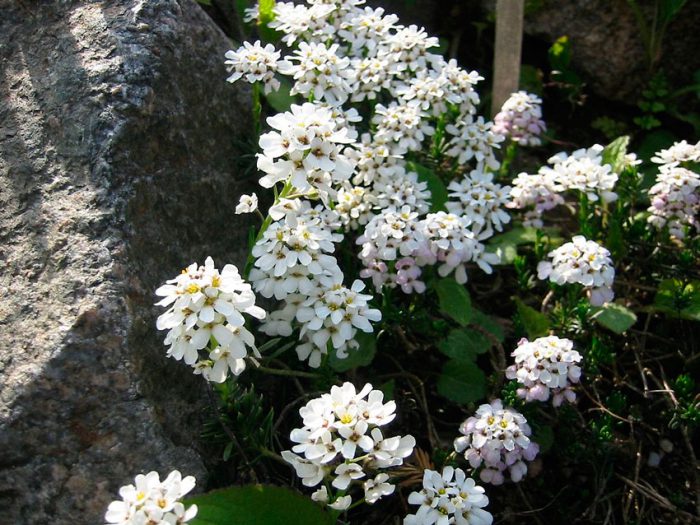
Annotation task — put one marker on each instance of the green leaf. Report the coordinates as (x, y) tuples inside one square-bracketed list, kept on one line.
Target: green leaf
[(257, 505), (536, 324), (464, 344), (388, 389), (488, 323), (454, 300), (614, 153), (361, 356), (438, 190), (266, 12), (281, 100), (462, 382), (560, 53), (517, 236), (615, 317)]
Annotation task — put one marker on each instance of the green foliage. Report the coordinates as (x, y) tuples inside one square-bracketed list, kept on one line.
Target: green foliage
[(438, 190), (243, 413), (679, 298), (614, 317), (362, 356), (487, 323), (454, 300), (281, 100), (609, 127), (257, 505), (598, 354), (464, 344), (563, 76), (462, 382), (535, 324)]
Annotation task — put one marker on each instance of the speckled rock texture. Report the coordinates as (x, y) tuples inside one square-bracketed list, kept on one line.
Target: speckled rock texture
[(119, 147)]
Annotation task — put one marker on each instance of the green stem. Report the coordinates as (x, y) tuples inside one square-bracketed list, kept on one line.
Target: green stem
[(266, 452), (257, 110), (508, 158), (288, 373), (265, 225)]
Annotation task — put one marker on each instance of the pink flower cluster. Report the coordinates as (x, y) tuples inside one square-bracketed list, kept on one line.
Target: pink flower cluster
[(497, 438), (547, 365), (520, 119)]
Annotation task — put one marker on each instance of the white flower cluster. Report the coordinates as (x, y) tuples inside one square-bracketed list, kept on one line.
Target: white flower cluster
[(584, 262), (449, 497), (306, 151), (583, 170), (474, 138), (152, 502), (520, 119), (207, 306), (497, 438), (547, 365), (255, 63), (341, 441), (395, 245), (541, 190), (343, 52), (678, 153), (480, 201), (675, 198)]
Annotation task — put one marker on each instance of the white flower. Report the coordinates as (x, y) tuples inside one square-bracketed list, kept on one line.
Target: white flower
[(342, 503), (497, 438), (247, 204), (204, 304), (254, 63), (365, 29), (548, 364), (584, 262), (377, 488), (449, 497), (520, 119), (153, 501)]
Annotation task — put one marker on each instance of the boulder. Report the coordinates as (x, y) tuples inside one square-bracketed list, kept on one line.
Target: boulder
[(607, 47), (120, 147)]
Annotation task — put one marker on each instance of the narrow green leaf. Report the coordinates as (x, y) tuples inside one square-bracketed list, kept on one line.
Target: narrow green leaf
[(560, 53), (361, 356), (454, 301), (536, 324), (256, 505), (615, 317), (438, 190), (462, 382), (464, 344)]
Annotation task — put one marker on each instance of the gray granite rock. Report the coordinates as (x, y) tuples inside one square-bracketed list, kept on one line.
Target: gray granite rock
[(119, 147)]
